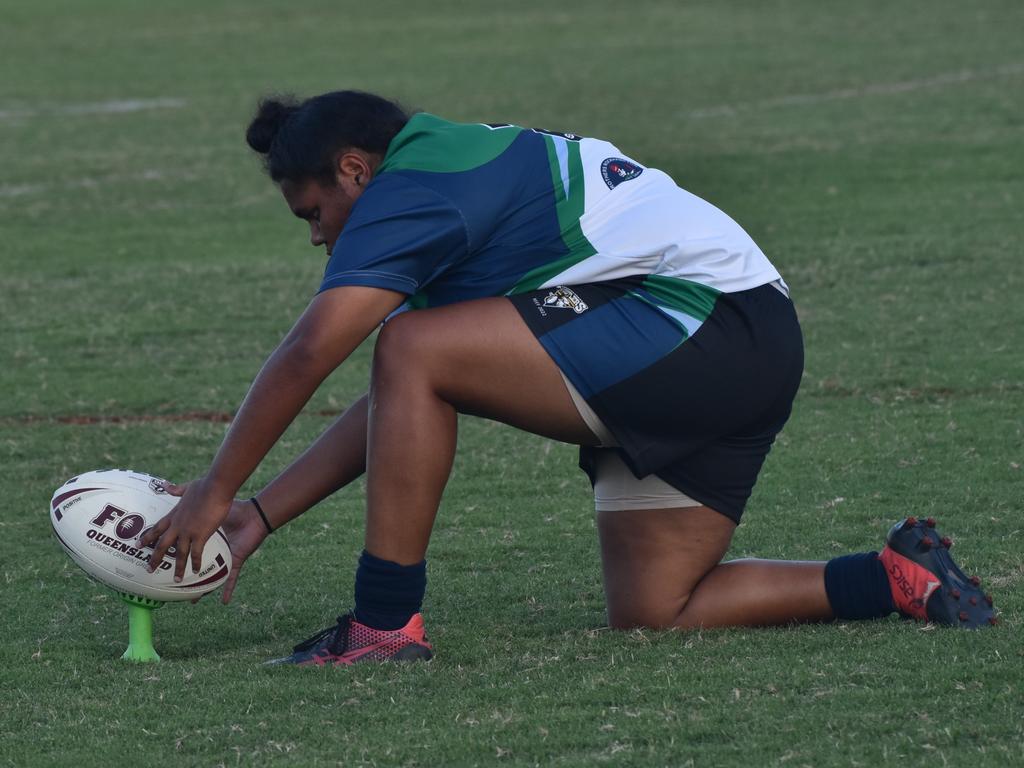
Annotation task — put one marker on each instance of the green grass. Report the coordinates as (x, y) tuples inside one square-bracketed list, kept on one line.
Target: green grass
[(148, 268)]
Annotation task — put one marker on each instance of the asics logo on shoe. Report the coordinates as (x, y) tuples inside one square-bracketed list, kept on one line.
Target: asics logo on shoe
[(902, 583)]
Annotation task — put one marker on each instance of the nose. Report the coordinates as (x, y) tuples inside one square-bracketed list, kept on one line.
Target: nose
[(316, 237)]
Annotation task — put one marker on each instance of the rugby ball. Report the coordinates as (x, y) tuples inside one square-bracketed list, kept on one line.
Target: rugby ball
[(98, 518)]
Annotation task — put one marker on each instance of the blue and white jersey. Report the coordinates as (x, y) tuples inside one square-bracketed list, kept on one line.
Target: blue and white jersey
[(465, 211)]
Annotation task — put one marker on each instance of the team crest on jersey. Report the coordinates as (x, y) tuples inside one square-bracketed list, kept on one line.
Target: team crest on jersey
[(564, 298), (615, 170)]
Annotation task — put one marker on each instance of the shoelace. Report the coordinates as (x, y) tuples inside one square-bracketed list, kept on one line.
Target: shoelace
[(339, 630)]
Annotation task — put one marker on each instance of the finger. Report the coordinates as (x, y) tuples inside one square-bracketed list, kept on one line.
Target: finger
[(197, 555), (160, 547), (174, 489), (182, 546), (154, 532), (166, 486), (229, 585)]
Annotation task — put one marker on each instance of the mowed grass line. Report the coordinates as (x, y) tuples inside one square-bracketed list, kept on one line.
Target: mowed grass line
[(148, 268)]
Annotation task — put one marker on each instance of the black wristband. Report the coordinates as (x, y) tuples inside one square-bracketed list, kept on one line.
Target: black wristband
[(263, 515)]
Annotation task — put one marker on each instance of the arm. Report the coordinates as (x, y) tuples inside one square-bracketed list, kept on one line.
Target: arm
[(333, 461), (333, 325), (336, 459)]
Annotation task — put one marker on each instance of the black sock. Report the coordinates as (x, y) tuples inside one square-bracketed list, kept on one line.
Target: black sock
[(857, 587), (388, 594)]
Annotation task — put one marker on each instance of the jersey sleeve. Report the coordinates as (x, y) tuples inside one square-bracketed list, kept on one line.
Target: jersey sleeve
[(400, 236)]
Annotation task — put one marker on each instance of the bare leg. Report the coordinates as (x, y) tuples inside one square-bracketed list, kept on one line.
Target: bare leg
[(474, 357), (661, 566), (333, 461), (661, 569)]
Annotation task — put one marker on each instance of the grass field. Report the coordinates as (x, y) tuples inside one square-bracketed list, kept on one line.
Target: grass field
[(148, 267)]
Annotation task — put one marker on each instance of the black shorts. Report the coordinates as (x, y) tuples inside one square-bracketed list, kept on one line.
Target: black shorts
[(698, 406)]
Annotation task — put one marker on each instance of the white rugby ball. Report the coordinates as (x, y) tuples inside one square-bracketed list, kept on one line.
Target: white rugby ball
[(98, 517)]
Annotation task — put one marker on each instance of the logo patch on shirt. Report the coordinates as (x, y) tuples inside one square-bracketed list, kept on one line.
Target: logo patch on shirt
[(564, 298), (615, 170)]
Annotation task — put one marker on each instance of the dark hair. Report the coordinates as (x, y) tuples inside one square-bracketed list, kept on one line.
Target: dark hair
[(299, 140)]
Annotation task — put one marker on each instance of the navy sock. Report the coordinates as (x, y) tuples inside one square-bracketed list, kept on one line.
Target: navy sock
[(857, 587), (388, 594)]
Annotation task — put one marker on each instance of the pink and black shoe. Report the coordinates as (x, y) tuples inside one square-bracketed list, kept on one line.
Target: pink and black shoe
[(349, 642), (926, 583)]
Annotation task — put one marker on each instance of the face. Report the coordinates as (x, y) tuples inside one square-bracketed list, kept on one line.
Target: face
[(326, 207)]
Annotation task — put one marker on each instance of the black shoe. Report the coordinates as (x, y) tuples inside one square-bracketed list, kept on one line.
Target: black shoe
[(349, 642), (926, 583)]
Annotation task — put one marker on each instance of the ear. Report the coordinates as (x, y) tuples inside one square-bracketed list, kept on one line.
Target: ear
[(353, 168)]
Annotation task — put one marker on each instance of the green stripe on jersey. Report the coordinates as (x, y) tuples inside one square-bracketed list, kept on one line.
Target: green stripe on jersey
[(694, 299), (428, 143), (418, 300), (569, 208)]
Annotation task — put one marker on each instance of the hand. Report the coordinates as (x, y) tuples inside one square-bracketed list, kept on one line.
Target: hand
[(244, 531), (187, 527)]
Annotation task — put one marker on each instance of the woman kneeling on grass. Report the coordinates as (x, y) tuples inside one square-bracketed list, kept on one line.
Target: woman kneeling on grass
[(547, 281)]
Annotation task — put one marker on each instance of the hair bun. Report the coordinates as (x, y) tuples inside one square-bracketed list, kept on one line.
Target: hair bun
[(299, 141), (271, 115)]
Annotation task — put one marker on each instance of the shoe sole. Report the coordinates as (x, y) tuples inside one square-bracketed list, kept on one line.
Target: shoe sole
[(407, 654), (959, 600), (412, 653)]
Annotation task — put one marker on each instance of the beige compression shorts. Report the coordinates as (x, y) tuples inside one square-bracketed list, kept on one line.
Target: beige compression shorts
[(616, 488)]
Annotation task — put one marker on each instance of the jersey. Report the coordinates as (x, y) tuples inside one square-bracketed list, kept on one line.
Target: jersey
[(463, 211)]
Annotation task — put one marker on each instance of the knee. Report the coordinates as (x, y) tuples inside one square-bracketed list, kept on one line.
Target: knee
[(646, 614), (400, 353)]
